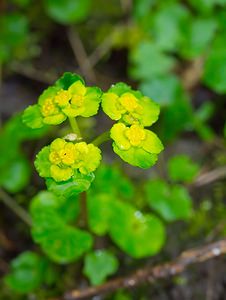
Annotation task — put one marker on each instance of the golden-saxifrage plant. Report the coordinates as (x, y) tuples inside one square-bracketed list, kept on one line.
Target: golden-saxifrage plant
[(86, 198), (70, 164)]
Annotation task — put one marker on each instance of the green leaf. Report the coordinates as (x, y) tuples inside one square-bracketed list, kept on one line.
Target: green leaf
[(67, 244), (16, 176), (197, 37), (43, 200), (67, 79), (205, 112), (77, 184), (148, 61), (167, 23), (67, 208), (16, 128), (70, 209), (32, 117), (164, 89), (206, 6), (137, 157), (27, 272), (13, 34), (68, 11), (182, 168), (120, 88), (171, 202), (61, 242), (110, 180), (99, 208), (141, 7), (215, 66), (99, 265), (177, 117), (137, 234), (42, 163)]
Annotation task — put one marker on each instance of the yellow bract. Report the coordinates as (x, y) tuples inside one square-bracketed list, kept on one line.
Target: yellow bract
[(62, 98), (48, 108), (135, 135), (61, 174), (68, 154), (54, 157), (129, 102), (77, 100), (62, 152)]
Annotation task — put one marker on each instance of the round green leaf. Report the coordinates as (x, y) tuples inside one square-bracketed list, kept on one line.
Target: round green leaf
[(68, 11), (66, 244), (149, 61), (182, 168), (100, 208), (42, 163), (167, 24), (32, 117), (171, 202), (198, 37), (61, 242), (215, 66), (99, 265), (17, 175), (109, 179), (26, 272), (67, 79), (77, 184), (164, 89), (67, 208), (136, 157), (137, 234)]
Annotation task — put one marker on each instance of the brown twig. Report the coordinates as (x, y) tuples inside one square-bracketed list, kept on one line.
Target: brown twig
[(165, 270), (5, 242), (192, 74), (80, 54), (100, 51), (211, 176), (151, 274), (34, 74)]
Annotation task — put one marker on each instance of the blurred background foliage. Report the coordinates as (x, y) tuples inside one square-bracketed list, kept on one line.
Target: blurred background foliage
[(174, 51)]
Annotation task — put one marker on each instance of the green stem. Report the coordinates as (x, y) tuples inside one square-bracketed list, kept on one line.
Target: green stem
[(75, 128), (104, 137), (18, 210)]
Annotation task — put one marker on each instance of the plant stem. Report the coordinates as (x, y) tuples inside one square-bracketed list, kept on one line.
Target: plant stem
[(18, 210), (75, 128), (83, 210), (104, 137)]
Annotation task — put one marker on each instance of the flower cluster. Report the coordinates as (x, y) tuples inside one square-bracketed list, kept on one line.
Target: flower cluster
[(121, 103), (61, 159), (132, 142), (69, 98), (57, 103)]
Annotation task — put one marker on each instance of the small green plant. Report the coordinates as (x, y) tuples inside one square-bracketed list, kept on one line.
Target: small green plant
[(84, 197)]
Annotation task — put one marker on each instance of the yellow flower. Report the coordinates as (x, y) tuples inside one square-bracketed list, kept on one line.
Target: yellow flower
[(135, 144), (62, 159), (135, 135), (129, 106), (62, 98)]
